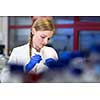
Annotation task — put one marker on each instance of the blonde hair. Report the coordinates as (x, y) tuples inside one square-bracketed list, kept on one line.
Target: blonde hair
[(41, 24)]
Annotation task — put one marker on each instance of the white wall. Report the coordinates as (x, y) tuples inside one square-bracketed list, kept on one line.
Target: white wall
[(4, 32)]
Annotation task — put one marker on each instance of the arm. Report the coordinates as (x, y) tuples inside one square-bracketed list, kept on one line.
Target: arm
[(48, 53)]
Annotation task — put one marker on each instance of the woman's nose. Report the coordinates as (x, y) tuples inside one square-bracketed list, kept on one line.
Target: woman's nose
[(45, 41)]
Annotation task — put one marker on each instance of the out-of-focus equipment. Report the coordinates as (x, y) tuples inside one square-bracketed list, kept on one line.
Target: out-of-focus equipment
[(3, 59)]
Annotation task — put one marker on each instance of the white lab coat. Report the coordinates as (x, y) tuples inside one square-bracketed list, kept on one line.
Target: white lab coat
[(20, 55)]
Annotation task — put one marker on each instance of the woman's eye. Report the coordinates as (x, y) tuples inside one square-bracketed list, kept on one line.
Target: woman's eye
[(43, 37)]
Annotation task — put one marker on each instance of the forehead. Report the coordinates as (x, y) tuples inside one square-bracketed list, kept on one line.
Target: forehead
[(46, 33)]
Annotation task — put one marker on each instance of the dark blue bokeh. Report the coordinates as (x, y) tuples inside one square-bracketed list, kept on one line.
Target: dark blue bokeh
[(16, 68)]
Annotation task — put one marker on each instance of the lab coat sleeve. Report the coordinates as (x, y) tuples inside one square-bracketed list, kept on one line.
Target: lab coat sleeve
[(12, 58)]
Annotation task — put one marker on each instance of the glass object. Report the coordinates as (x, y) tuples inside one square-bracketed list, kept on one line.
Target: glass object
[(89, 19), (3, 59), (88, 38), (20, 20), (63, 39), (18, 37), (64, 20)]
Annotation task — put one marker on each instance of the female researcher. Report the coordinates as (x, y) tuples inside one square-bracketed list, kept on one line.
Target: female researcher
[(35, 55)]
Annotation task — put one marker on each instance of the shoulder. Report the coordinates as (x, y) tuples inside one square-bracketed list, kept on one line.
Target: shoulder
[(50, 52), (50, 49), (19, 54), (20, 51), (21, 48)]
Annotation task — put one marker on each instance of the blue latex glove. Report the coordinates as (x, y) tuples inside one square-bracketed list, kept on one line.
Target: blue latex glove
[(51, 63), (34, 60)]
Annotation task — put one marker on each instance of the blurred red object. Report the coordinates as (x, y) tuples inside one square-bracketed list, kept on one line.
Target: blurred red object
[(31, 78)]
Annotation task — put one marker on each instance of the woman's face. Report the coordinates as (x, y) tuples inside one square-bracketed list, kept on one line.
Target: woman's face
[(41, 38)]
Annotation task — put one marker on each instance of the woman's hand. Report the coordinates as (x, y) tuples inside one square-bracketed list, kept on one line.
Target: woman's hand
[(34, 60)]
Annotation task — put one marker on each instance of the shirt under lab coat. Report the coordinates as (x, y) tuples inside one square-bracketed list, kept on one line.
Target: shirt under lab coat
[(20, 56)]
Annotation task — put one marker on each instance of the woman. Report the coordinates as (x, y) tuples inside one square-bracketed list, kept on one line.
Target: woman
[(35, 54)]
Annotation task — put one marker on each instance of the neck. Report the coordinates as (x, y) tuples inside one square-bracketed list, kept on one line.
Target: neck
[(36, 48)]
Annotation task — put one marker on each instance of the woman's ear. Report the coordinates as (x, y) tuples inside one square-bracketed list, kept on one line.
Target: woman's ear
[(33, 31)]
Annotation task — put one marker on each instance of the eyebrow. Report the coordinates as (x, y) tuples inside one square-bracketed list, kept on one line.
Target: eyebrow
[(44, 35)]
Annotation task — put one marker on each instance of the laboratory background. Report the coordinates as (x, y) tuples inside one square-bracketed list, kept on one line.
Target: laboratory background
[(77, 41)]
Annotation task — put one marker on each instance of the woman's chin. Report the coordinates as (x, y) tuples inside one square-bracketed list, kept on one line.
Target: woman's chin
[(39, 48)]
